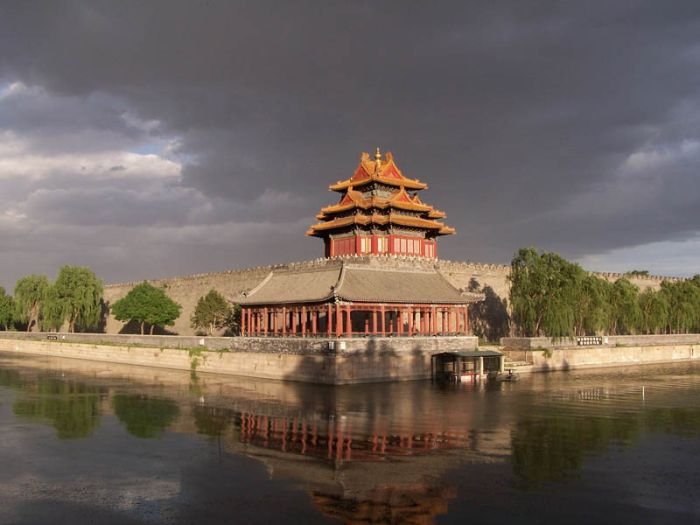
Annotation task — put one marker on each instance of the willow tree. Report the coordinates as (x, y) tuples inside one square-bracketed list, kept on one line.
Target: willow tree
[(592, 308), (625, 314), (52, 314), (30, 295), (528, 290), (654, 309), (684, 305), (76, 298), (7, 309), (543, 293)]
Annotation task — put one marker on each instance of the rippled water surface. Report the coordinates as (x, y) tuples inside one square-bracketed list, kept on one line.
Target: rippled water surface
[(85, 442)]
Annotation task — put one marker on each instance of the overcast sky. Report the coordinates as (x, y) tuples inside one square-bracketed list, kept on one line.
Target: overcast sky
[(147, 139)]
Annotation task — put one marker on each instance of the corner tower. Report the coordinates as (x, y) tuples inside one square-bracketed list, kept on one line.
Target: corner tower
[(379, 213)]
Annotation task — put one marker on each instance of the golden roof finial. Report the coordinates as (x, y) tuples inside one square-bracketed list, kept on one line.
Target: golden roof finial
[(378, 158)]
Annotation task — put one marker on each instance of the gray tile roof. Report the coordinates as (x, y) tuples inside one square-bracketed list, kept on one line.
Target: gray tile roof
[(290, 286), (356, 283), (397, 286)]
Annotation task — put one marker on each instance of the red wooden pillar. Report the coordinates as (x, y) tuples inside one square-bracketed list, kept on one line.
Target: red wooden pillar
[(433, 321), (303, 321), (294, 321), (374, 320), (411, 313), (284, 321), (383, 321), (348, 326), (314, 321), (399, 321), (466, 319), (257, 321), (329, 324), (338, 321), (243, 321)]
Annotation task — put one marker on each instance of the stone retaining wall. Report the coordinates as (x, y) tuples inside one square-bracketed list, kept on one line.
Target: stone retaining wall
[(349, 361), (602, 356), (156, 341), (532, 343)]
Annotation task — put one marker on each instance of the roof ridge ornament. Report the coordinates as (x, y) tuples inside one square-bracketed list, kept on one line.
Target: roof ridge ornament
[(378, 160)]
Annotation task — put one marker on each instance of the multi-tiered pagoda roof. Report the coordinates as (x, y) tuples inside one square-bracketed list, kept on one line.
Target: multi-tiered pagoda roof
[(379, 212)]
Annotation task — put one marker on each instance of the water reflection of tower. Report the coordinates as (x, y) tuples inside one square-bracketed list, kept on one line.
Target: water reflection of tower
[(359, 465)]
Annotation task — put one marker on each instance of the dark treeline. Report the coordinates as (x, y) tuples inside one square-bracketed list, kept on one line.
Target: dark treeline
[(550, 296)]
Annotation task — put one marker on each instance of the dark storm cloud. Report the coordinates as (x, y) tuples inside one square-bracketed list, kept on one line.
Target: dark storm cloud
[(571, 126)]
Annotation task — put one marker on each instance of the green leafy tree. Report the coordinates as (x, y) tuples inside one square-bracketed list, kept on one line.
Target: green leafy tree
[(625, 314), (654, 309), (52, 313), (212, 312), (146, 304), (30, 294), (76, 298), (528, 291), (7, 309), (234, 320), (592, 308), (543, 293), (684, 305)]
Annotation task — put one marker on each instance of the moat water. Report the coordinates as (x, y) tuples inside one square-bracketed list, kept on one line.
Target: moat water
[(85, 442)]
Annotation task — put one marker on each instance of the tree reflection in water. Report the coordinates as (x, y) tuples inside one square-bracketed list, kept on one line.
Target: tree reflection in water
[(553, 447), (143, 416), (71, 407), (211, 421)]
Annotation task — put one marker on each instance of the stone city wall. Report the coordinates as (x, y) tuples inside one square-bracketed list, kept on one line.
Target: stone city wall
[(187, 290)]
